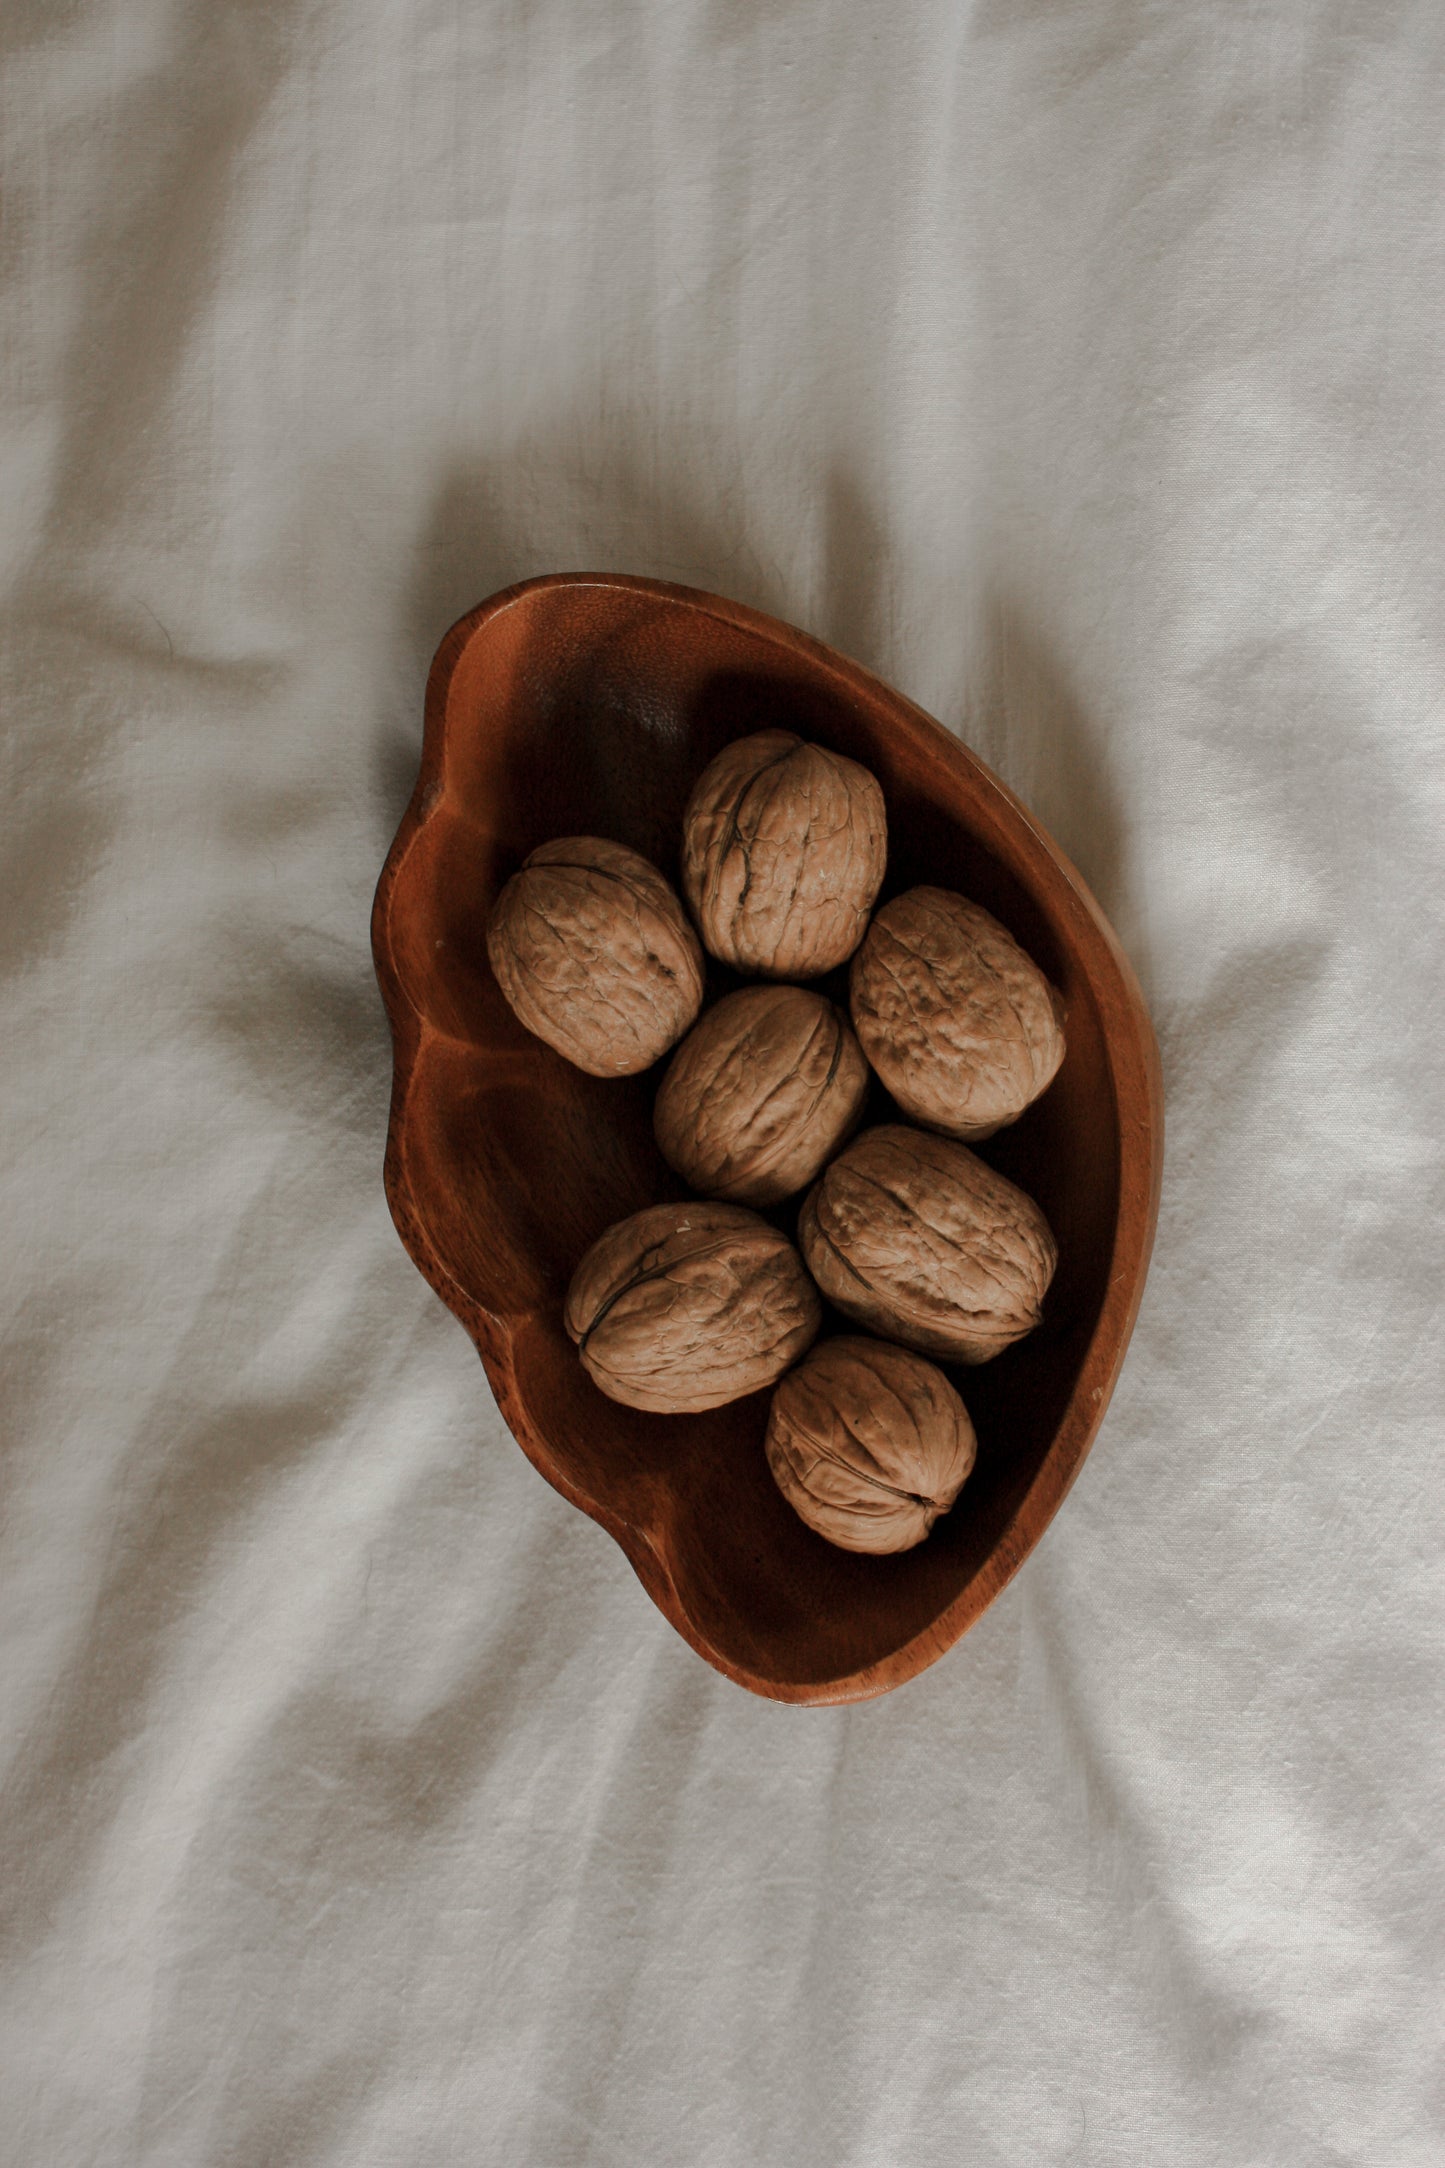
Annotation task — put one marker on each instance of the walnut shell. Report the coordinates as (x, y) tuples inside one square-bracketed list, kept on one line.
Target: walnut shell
[(595, 955), (760, 1094), (784, 845), (914, 1237), (685, 1306), (869, 1444), (961, 1025)]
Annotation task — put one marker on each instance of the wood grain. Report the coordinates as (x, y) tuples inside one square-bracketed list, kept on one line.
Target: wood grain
[(589, 704)]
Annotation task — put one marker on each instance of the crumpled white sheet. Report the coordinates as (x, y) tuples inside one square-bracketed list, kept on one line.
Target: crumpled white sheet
[(1076, 367)]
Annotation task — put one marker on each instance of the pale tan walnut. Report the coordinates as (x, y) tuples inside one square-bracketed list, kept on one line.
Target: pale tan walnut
[(593, 951), (914, 1237), (961, 1025), (760, 1094), (685, 1306), (869, 1444), (784, 846)]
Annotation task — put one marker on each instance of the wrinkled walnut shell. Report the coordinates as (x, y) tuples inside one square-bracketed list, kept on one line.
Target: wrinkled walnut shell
[(869, 1444), (961, 1025), (685, 1306), (594, 953), (760, 1094), (914, 1237), (784, 846)]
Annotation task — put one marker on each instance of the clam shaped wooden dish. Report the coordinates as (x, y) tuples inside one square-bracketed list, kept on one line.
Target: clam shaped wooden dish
[(587, 705)]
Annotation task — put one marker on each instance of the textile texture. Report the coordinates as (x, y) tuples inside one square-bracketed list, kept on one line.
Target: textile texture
[(1078, 369)]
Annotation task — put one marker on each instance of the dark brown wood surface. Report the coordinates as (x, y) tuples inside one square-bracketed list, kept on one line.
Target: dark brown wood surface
[(585, 704)]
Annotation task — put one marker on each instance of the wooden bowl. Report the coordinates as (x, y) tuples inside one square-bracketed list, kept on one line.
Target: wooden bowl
[(588, 704)]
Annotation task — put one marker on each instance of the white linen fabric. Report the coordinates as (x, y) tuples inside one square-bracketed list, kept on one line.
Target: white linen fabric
[(1077, 367)]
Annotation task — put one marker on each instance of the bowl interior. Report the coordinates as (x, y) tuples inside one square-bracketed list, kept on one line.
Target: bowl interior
[(589, 707)]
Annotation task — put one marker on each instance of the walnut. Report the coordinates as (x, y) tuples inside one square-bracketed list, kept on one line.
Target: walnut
[(685, 1306), (914, 1237), (760, 1094), (594, 953), (784, 845), (961, 1025), (869, 1444)]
